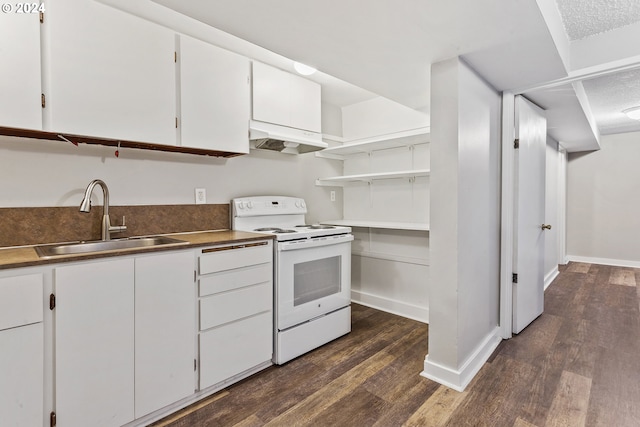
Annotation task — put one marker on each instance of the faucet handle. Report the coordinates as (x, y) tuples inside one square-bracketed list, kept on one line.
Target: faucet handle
[(118, 228)]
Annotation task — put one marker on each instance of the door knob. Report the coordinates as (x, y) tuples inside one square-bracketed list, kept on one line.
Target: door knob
[(546, 226)]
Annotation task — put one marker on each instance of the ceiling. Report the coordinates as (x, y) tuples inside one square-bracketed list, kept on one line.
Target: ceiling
[(540, 48)]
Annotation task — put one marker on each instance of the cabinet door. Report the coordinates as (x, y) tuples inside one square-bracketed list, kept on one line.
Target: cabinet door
[(234, 348), (270, 94), (305, 99), (108, 73), (214, 97), (285, 99), (20, 73), (94, 343), (21, 376), (164, 329)]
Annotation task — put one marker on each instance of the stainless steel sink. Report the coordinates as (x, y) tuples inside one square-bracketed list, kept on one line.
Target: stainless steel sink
[(55, 250)]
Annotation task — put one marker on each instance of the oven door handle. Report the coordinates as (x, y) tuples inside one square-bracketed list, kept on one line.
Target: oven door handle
[(315, 242)]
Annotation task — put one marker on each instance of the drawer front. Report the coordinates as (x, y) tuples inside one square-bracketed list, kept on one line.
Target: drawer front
[(229, 306), (234, 279), (228, 258), (235, 348), (22, 302)]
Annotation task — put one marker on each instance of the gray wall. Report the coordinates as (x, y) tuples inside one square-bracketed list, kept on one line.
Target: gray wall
[(603, 202), (465, 221)]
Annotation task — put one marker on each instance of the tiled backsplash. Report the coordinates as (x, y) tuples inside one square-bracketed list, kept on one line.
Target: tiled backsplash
[(30, 226)]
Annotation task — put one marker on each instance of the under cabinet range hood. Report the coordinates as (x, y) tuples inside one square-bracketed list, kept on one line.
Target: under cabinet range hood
[(268, 136)]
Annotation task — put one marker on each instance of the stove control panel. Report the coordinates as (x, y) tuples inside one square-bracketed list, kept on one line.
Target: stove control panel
[(268, 205)]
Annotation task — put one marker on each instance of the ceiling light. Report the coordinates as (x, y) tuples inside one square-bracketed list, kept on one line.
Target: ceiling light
[(633, 113), (305, 70)]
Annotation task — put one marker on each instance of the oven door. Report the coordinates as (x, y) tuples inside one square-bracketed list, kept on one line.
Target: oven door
[(313, 278)]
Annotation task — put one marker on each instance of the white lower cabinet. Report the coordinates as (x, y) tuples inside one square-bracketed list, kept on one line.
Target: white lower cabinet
[(124, 338), (164, 330), (118, 340), (94, 343), (21, 351), (236, 314), (234, 348)]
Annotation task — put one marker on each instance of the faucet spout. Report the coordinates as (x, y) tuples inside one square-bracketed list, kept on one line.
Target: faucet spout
[(85, 206)]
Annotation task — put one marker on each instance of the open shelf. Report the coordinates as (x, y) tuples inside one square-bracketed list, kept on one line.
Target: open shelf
[(368, 177), (400, 139), (391, 225)]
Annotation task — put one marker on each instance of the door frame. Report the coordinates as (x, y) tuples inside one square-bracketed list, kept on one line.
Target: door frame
[(507, 213)]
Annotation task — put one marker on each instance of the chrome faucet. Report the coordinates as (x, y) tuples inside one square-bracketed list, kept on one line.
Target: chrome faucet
[(85, 206)]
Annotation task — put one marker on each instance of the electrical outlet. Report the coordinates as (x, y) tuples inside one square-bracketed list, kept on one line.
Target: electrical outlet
[(201, 196), (333, 196)]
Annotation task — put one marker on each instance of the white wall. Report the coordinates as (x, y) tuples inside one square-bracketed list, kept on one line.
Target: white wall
[(603, 202), (465, 223), (390, 267), (51, 173), (331, 119), (379, 116)]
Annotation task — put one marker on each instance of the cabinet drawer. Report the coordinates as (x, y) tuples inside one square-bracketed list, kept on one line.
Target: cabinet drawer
[(228, 258), (22, 300), (234, 279), (234, 348), (229, 306)]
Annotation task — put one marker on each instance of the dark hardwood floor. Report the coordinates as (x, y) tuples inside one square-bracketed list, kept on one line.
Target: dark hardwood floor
[(577, 364)]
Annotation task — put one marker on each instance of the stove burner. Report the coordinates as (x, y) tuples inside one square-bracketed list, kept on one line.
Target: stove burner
[(316, 226), (268, 229), (281, 231)]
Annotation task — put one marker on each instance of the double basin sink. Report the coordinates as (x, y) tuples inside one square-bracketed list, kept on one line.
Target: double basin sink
[(97, 246)]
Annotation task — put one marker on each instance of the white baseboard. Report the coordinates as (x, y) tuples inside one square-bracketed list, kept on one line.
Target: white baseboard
[(605, 261), (460, 379), (410, 311), (550, 276), (195, 397)]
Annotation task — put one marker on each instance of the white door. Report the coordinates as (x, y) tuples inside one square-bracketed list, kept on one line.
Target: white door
[(21, 375), (528, 292), (94, 354), (164, 330), (20, 104), (108, 73), (215, 100)]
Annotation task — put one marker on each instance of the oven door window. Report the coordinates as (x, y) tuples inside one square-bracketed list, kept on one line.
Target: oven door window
[(316, 279)]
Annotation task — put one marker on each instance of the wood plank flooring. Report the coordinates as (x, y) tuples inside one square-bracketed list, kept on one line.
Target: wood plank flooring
[(576, 365)]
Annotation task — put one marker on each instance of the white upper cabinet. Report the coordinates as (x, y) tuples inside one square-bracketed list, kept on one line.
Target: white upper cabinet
[(108, 74), (285, 99), (20, 72), (214, 97)]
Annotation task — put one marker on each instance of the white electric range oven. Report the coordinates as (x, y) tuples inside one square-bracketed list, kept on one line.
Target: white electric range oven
[(312, 272)]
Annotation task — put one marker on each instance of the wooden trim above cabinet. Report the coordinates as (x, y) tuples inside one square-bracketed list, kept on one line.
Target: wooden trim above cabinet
[(80, 139)]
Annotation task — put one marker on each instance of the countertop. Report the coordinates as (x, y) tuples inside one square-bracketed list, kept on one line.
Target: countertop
[(26, 256)]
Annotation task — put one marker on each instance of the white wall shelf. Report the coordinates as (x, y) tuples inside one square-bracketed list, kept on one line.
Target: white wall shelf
[(368, 177), (390, 225), (399, 139)]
